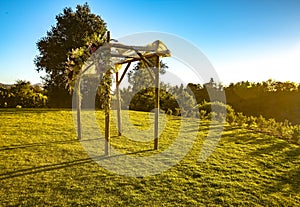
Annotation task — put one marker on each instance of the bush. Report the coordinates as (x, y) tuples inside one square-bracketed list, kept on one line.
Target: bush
[(177, 112), (219, 109), (251, 122), (240, 119), (202, 114), (282, 129), (261, 122), (169, 111), (295, 134)]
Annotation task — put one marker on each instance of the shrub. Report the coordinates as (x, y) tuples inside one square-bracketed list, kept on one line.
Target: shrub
[(169, 111), (295, 134), (261, 122), (240, 119), (219, 109), (230, 118), (251, 122), (202, 114), (177, 112)]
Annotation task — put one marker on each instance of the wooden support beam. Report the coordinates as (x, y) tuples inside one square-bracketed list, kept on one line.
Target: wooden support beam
[(122, 56), (118, 82), (156, 104), (78, 107), (125, 71), (148, 63), (118, 104), (139, 48), (107, 118), (151, 75), (128, 60), (107, 133), (144, 59)]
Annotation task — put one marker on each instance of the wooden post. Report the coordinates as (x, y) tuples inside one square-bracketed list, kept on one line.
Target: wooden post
[(107, 133), (156, 104), (118, 104), (78, 106), (107, 116)]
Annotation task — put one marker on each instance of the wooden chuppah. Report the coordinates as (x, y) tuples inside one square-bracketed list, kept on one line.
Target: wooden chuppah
[(121, 54)]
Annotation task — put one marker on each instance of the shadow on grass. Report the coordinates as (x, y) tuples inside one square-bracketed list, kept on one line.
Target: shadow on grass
[(245, 136), (283, 159), (291, 177), (32, 110), (57, 166), (270, 149), (287, 180), (23, 146)]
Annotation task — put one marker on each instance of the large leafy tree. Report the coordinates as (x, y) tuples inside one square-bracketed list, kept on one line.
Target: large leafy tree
[(141, 93), (72, 30), (139, 77)]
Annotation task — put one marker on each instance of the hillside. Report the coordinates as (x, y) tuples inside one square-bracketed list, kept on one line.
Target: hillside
[(42, 164)]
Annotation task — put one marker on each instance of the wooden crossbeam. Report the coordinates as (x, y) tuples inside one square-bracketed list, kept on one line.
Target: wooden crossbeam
[(122, 76), (148, 63), (140, 48)]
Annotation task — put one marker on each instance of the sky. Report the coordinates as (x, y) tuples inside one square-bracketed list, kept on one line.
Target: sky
[(244, 40)]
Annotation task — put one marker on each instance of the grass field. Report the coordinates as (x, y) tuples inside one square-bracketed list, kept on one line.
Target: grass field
[(42, 164)]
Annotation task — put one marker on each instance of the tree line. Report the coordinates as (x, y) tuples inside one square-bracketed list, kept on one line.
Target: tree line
[(22, 94), (271, 99)]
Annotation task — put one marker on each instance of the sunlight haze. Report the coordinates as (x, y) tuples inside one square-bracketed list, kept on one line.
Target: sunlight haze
[(253, 41)]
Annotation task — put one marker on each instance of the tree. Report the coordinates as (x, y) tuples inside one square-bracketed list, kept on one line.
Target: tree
[(4, 96), (72, 30), (141, 95), (24, 94), (139, 77)]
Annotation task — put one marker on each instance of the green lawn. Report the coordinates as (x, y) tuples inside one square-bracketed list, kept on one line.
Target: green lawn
[(42, 164)]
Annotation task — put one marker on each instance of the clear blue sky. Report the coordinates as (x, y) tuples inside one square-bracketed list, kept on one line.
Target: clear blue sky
[(244, 40)]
